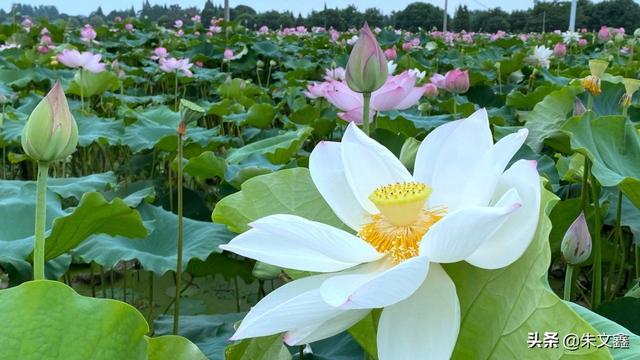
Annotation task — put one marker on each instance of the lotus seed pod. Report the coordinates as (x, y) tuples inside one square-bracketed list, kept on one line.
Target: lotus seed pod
[(51, 132)]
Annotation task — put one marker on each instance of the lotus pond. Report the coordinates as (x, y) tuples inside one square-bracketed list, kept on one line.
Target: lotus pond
[(218, 192)]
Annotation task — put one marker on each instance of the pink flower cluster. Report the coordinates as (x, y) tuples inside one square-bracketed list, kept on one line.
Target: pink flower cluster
[(399, 92)]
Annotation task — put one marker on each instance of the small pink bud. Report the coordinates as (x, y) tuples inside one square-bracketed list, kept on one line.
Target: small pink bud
[(457, 81), (367, 67), (430, 90), (228, 54), (407, 46), (582, 42), (576, 244), (391, 53), (560, 49), (603, 34)]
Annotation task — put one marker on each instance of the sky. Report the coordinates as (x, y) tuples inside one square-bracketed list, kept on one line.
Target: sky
[(84, 7)]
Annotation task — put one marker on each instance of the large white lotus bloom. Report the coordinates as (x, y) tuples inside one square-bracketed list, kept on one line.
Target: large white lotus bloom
[(460, 204), (540, 57)]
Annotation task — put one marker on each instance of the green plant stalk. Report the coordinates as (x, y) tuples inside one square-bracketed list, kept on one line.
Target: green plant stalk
[(81, 89), (455, 107), (620, 242), (365, 112), (151, 293), (590, 102), (568, 282), (597, 247), (624, 111), (175, 92), (103, 286), (176, 309), (636, 252), (41, 218)]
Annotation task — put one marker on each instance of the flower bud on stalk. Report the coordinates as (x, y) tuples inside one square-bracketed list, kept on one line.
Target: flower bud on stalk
[(367, 67), (592, 82), (630, 86), (457, 81), (576, 244), (51, 132)]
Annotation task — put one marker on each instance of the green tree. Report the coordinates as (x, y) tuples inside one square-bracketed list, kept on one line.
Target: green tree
[(461, 19), (417, 15)]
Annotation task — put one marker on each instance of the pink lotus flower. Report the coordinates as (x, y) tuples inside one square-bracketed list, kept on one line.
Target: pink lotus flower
[(46, 40), (604, 34), (391, 53), (430, 90), (582, 42), (87, 34), (560, 49), (457, 81), (335, 35), (85, 60), (407, 46), (178, 24), (263, 29), (42, 49), (399, 92), (215, 29), (128, 27), (26, 23), (159, 53), (228, 54), (438, 80), (196, 18), (415, 42), (117, 19), (334, 74), (316, 90), (174, 65), (180, 32)]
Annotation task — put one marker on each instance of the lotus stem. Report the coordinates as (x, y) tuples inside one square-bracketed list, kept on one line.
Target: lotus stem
[(81, 89), (568, 282), (41, 217), (175, 92), (176, 309), (597, 246), (365, 112)]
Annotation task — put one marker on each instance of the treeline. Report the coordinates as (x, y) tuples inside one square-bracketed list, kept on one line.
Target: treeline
[(544, 15)]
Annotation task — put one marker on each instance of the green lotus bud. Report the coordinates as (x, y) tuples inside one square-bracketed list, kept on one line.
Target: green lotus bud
[(272, 63), (190, 112), (259, 64), (576, 244), (51, 132), (408, 152), (619, 38), (367, 67), (636, 33)]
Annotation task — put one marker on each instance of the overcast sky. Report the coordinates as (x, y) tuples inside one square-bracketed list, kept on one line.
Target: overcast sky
[(75, 7)]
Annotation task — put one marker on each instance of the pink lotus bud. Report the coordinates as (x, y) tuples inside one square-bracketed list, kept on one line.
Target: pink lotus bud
[(87, 33), (199, 63), (43, 49), (582, 42), (178, 24), (430, 90), (391, 53), (128, 26), (196, 18), (367, 67), (457, 81), (576, 244), (560, 49), (438, 80), (46, 40), (228, 54), (603, 34), (415, 42), (264, 29), (407, 46)]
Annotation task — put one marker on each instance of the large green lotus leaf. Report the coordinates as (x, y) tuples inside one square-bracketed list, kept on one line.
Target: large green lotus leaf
[(93, 84), (528, 101), (266, 48), (206, 166), (630, 213), (500, 307), (278, 149), (548, 116), (262, 348), (608, 102), (158, 124), (625, 311), (613, 145), (409, 124), (289, 191), (606, 326), (94, 215), (77, 186), (49, 320), (92, 128), (171, 347), (157, 251), (254, 165)]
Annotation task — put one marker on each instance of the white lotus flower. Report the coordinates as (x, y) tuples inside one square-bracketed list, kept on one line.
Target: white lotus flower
[(460, 204), (391, 67), (570, 37), (417, 73), (540, 57)]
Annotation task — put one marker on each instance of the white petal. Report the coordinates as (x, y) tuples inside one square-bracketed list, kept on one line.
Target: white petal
[(291, 306), (327, 172), (375, 285), (480, 186), (293, 242), (429, 151), (460, 233), (424, 326), (322, 330), (368, 165), (515, 235), (454, 159)]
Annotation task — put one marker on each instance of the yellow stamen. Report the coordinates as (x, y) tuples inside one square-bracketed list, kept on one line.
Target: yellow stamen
[(402, 222), (591, 84)]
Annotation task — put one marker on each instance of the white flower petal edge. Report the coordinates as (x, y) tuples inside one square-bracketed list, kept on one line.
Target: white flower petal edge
[(291, 306), (511, 240), (293, 242), (425, 325), (375, 285), (327, 172), (460, 233), (323, 330), (369, 165), (455, 158)]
